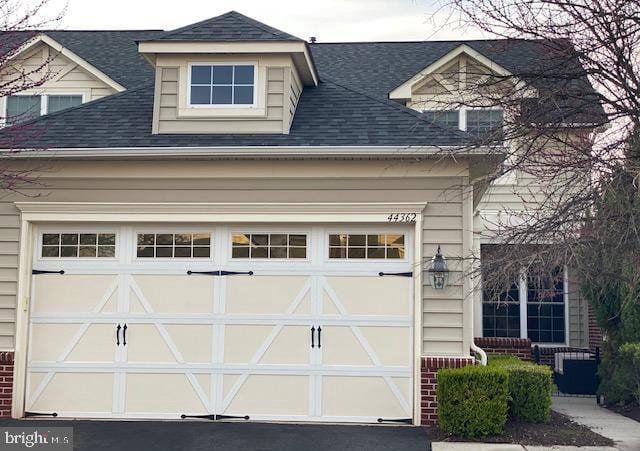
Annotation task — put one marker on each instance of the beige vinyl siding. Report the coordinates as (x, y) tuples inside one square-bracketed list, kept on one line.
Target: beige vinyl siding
[(578, 313), (277, 80), (264, 181), (294, 95), (61, 74), (522, 192)]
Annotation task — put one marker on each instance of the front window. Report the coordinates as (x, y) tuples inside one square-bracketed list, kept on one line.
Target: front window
[(484, 123), (540, 296), (501, 313), (545, 307), (222, 85)]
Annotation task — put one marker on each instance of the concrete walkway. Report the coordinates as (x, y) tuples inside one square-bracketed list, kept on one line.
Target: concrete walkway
[(447, 446), (624, 431)]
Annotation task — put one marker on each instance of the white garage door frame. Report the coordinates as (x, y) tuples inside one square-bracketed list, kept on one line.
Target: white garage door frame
[(37, 213)]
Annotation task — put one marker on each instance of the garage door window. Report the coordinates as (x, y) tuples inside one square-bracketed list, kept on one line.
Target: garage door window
[(367, 246), (269, 246), (78, 245), (174, 245)]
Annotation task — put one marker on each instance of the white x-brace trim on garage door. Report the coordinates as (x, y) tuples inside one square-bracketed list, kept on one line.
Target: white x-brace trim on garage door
[(43, 213)]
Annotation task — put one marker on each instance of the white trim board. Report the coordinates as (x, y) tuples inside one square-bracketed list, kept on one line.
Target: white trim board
[(72, 56), (403, 92)]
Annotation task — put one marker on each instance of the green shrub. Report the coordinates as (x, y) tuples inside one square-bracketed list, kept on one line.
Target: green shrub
[(623, 384), (530, 388), (503, 359), (473, 401)]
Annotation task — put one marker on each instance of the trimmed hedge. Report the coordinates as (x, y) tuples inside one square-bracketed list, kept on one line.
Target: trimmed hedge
[(530, 388), (473, 401), (503, 359)]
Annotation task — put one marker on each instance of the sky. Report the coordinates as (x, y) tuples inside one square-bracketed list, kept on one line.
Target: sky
[(328, 20)]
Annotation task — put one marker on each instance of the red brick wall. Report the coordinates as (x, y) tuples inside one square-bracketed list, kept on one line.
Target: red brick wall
[(520, 347), (595, 333), (429, 382), (6, 383)]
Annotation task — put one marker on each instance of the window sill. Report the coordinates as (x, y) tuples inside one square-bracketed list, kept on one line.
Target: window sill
[(222, 112)]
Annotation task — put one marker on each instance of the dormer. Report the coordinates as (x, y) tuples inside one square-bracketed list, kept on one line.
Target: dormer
[(230, 74)]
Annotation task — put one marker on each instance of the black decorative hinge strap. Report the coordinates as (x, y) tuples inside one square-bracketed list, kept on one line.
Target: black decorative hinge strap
[(202, 417), (397, 274), (221, 273), (39, 271), (215, 417), (395, 420), (39, 414), (231, 417)]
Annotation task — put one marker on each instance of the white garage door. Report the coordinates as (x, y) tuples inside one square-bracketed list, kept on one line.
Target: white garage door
[(271, 323)]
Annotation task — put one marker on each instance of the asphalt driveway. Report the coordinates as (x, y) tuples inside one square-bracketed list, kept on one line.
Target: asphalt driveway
[(195, 435)]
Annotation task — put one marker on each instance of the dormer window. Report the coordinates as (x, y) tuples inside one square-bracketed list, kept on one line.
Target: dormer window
[(218, 85)]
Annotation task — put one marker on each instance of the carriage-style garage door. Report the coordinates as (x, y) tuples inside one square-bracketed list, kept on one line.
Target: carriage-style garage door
[(271, 323)]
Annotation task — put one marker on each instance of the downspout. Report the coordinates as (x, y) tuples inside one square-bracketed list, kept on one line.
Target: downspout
[(475, 348), (468, 221)]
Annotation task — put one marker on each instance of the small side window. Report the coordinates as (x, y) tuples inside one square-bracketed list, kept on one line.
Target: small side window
[(292, 246), (449, 119), (485, 123), (350, 246), (173, 245), (217, 85), (57, 103), (78, 245)]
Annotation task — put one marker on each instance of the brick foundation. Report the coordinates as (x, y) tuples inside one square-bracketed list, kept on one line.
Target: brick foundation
[(519, 347), (428, 373), (6, 383)]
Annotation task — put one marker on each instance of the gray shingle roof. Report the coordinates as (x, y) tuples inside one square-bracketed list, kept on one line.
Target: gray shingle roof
[(328, 115), (231, 26), (350, 107)]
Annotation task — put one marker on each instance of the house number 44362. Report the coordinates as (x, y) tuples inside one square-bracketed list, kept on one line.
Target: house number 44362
[(402, 217)]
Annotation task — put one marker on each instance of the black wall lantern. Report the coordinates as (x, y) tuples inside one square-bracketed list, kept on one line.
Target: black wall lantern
[(439, 271)]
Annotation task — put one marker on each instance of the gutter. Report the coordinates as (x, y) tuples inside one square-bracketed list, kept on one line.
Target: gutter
[(250, 152)]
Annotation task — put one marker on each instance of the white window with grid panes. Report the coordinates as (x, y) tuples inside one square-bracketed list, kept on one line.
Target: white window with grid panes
[(534, 307)]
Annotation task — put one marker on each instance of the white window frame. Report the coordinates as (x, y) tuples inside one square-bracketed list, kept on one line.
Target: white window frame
[(408, 245), (269, 231), (523, 302), (447, 110), (76, 230), (223, 63), (44, 100), (465, 109), (148, 231)]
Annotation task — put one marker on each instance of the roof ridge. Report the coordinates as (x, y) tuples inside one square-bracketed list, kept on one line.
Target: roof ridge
[(264, 27), (237, 16), (193, 25)]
